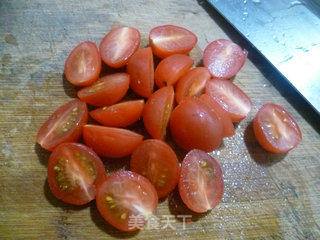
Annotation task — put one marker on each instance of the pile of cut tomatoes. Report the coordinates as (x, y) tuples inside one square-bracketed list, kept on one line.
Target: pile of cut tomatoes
[(198, 104)]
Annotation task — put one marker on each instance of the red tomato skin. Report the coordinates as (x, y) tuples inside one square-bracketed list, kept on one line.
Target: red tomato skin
[(119, 115), (142, 157), (54, 186), (192, 84), (212, 90), (115, 88), (228, 127), (68, 137), (184, 185), (121, 176), (165, 30), (76, 80), (194, 126), (261, 136), (141, 70), (235, 62), (109, 141), (171, 69), (157, 111), (134, 40)]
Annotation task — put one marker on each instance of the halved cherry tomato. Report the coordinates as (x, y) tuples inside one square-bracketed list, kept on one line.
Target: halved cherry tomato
[(119, 115), (192, 84), (231, 98), (126, 199), (193, 125), (155, 160), (141, 70), (74, 172), (157, 111), (171, 69), (83, 64), (223, 58), (111, 142), (64, 125), (201, 182), (167, 40), (107, 90), (118, 45), (228, 128), (275, 129)]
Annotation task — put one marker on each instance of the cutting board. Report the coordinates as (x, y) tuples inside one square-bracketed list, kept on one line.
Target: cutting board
[(267, 196)]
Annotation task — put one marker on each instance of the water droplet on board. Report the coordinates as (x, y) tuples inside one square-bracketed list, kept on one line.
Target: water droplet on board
[(256, 1)]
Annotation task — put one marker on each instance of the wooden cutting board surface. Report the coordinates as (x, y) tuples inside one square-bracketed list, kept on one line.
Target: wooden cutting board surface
[(267, 196)]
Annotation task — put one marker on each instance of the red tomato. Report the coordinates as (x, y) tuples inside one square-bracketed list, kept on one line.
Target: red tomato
[(74, 172), (167, 40), (201, 183), (192, 84), (64, 125), (171, 69), (155, 160), (157, 111), (223, 58), (118, 46), (228, 128), (111, 142), (141, 70), (126, 199), (231, 98), (119, 115), (275, 129), (193, 125), (83, 64), (107, 90)]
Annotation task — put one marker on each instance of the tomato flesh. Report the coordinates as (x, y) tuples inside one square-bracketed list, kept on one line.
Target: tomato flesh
[(83, 64), (167, 40), (109, 141), (171, 69), (157, 111), (118, 46), (74, 172), (141, 70), (192, 84), (64, 125), (231, 98), (155, 160), (228, 128), (194, 126), (223, 58), (119, 115), (106, 91), (275, 129), (201, 182), (125, 196)]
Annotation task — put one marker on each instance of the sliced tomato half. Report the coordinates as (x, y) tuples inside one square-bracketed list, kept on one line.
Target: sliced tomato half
[(223, 58), (167, 40), (231, 98), (106, 91), (111, 142), (275, 129), (83, 64), (155, 160), (201, 182), (119, 45), (126, 200), (64, 125)]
